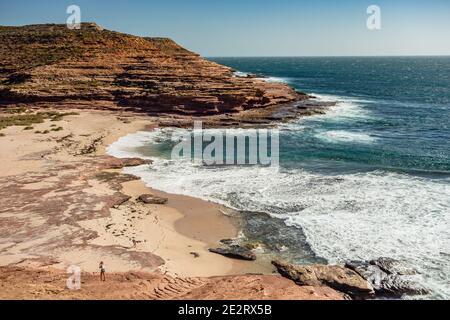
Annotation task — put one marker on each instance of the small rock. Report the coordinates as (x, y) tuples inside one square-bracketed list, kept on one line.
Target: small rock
[(152, 199), (195, 254), (235, 252)]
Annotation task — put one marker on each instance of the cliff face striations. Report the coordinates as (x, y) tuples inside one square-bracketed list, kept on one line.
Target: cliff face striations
[(96, 68)]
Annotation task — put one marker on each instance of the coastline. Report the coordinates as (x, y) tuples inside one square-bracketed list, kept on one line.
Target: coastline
[(65, 201), (58, 208)]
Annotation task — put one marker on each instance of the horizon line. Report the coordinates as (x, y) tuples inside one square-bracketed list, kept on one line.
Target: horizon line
[(333, 56), (410, 55)]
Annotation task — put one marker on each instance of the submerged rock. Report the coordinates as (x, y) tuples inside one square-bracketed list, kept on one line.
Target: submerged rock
[(152, 199), (388, 277), (333, 276), (235, 252)]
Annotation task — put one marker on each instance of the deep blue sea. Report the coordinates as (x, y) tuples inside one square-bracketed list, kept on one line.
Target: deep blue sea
[(369, 179)]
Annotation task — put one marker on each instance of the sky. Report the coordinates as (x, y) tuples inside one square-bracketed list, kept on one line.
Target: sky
[(261, 27)]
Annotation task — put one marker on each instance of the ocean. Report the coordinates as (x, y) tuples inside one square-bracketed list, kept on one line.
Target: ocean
[(369, 179)]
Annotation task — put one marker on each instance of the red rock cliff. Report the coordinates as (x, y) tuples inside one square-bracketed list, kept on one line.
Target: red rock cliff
[(96, 68)]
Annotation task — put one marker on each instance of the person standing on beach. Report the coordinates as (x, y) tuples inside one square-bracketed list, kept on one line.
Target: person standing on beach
[(102, 271)]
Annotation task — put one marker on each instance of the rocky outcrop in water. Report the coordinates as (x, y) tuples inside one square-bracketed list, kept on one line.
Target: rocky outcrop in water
[(333, 276), (388, 277)]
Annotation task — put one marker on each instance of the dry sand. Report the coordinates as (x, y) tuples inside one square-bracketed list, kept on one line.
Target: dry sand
[(176, 232)]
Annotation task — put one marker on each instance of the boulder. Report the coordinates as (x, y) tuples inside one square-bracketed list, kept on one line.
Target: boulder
[(333, 276), (388, 277), (152, 199), (235, 252)]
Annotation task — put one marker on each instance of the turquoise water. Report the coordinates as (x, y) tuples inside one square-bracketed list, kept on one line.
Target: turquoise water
[(371, 178)]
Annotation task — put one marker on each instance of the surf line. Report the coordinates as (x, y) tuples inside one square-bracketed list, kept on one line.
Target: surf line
[(228, 147)]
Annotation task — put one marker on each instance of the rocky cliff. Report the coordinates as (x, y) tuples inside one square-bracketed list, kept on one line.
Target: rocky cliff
[(96, 68)]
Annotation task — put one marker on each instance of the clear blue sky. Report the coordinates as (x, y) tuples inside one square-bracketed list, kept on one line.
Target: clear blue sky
[(261, 27)]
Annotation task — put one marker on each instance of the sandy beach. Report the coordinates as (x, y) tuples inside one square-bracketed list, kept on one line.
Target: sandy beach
[(179, 232)]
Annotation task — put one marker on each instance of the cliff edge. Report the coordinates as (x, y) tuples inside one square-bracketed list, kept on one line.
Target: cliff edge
[(96, 68)]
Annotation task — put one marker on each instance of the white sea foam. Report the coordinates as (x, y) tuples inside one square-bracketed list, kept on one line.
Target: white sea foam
[(346, 108), (351, 216), (276, 79), (240, 74), (345, 136), (126, 146)]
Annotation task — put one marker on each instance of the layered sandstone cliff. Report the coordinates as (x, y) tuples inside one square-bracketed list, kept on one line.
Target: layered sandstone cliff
[(96, 68)]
